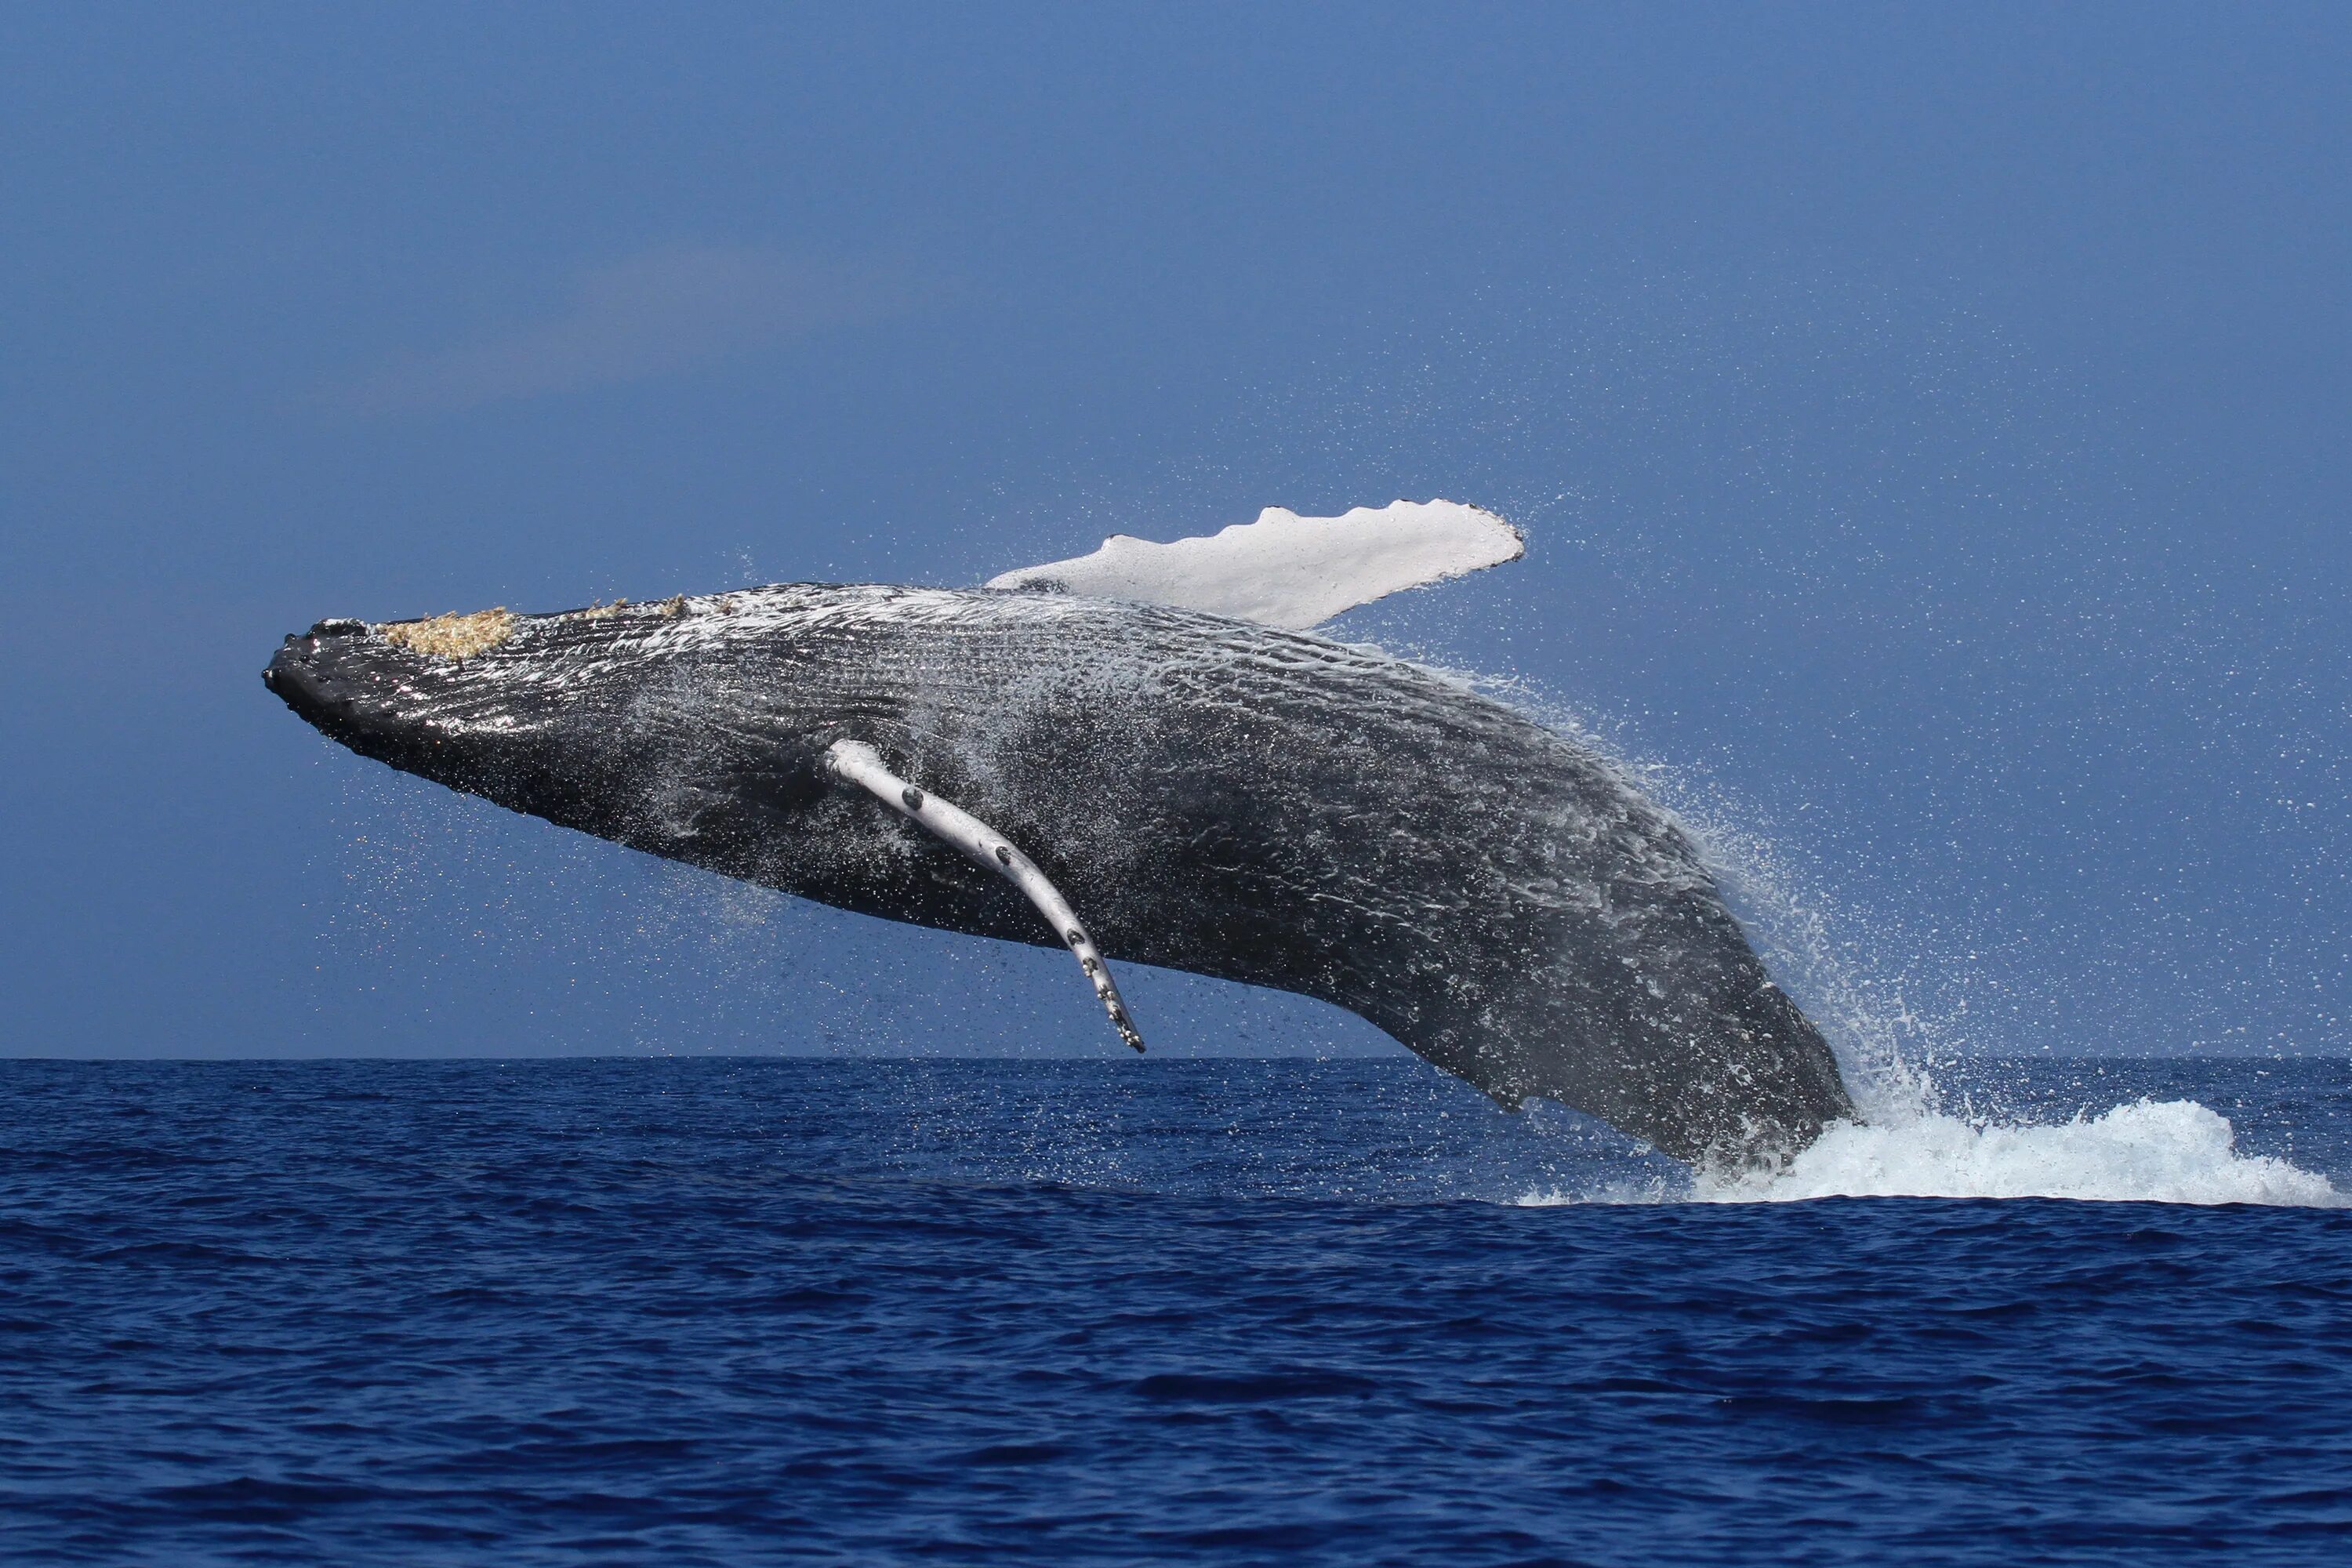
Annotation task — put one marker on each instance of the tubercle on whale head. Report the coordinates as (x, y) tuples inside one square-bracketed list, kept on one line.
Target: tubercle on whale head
[(311, 673)]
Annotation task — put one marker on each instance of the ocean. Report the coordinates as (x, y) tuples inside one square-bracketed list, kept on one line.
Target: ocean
[(729, 1310)]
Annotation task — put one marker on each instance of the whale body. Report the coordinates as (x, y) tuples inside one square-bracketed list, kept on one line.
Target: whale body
[(1214, 795)]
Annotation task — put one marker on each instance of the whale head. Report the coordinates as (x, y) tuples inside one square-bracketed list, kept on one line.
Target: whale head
[(598, 717)]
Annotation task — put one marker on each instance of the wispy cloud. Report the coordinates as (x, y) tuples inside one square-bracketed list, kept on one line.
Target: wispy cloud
[(656, 313)]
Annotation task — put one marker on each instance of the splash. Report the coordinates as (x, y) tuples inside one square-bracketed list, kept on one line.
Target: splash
[(2150, 1150), (2171, 1152)]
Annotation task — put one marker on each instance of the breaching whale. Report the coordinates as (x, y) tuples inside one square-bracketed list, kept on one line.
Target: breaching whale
[(1139, 779)]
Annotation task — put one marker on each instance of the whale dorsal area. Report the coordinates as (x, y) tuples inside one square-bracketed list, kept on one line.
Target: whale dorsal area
[(854, 762), (1285, 569)]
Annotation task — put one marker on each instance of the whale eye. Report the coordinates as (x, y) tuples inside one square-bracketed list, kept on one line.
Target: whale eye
[(1003, 855), (913, 797)]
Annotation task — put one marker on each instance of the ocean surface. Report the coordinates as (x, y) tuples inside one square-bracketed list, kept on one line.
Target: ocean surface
[(729, 1311)]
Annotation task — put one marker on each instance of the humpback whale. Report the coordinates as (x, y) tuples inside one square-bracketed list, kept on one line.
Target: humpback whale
[(1156, 771)]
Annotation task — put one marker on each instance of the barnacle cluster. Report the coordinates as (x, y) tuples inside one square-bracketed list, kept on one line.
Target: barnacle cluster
[(455, 636)]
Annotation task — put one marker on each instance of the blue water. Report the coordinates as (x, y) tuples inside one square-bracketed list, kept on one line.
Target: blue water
[(731, 1311)]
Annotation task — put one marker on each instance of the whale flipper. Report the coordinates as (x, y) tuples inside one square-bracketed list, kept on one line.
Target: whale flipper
[(1285, 569), (855, 762)]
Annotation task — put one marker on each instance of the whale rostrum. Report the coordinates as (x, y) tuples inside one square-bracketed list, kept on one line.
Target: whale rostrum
[(1227, 798), (858, 764)]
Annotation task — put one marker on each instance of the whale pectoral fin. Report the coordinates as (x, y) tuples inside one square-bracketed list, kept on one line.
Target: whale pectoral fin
[(1285, 569), (853, 762)]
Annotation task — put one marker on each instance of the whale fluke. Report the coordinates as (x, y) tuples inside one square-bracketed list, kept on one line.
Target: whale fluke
[(854, 762)]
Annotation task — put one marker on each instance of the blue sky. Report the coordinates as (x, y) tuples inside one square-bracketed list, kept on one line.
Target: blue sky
[(1930, 424)]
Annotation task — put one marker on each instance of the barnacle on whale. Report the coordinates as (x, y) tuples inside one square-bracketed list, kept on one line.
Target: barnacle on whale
[(454, 636)]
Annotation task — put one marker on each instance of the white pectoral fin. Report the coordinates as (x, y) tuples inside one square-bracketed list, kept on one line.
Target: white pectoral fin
[(1285, 569), (856, 762)]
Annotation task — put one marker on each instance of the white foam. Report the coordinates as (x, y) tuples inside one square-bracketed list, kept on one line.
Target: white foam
[(2164, 1152), (1285, 569), (2171, 1152)]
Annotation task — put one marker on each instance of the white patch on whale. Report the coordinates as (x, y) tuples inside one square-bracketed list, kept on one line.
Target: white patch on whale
[(1285, 569)]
